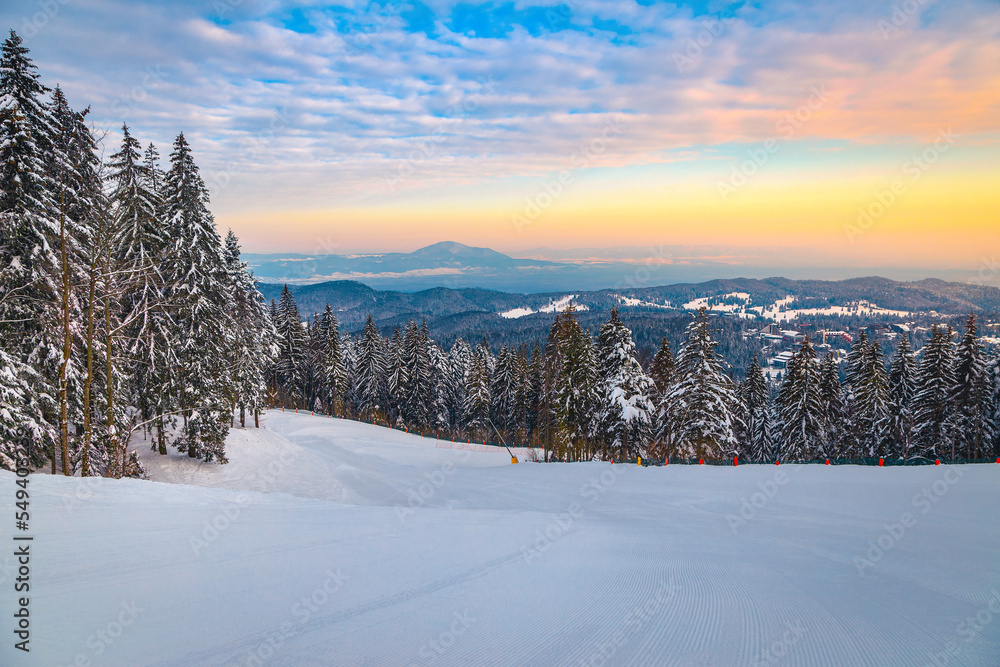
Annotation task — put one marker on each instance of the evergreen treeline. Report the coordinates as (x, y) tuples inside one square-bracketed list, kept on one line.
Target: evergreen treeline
[(120, 305), (580, 397)]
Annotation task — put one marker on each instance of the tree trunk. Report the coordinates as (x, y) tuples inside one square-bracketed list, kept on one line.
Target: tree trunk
[(88, 426), (256, 418), (67, 343), (109, 417), (161, 438)]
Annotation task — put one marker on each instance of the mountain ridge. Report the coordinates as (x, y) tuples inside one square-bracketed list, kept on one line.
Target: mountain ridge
[(353, 300)]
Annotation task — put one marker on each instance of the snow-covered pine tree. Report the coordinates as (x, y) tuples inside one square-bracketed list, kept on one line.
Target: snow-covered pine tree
[(626, 411), (29, 243), (662, 373), (831, 396), (253, 337), (576, 390), (334, 364), (196, 291), (291, 361), (933, 402), (459, 360), (20, 414), (370, 372), (350, 348), (800, 408), (993, 377), (503, 392), (441, 372), (153, 175), (871, 403), (273, 381), (974, 424), (132, 241), (854, 366), (902, 387), (73, 166), (757, 406), (476, 407), (314, 371), (522, 396), (700, 402), (396, 373), (740, 420), (662, 369), (536, 396), (419, 384)]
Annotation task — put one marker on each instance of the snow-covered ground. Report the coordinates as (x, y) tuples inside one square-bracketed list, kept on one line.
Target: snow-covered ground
[(629, 301), (327, 542), (860, 308), (702, 302), (557, 305)]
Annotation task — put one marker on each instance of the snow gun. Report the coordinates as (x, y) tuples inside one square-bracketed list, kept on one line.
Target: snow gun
[(513, 459)]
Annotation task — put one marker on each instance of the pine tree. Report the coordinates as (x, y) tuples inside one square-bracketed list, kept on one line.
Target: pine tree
[(370, 371), (576, 391), (973, 416), (757, 406), (800, 409), (127, 254), (871, 409), (503, 392), (30, 275), (440, 393), (396, 377), (662, 369), (700, 403), (662, 373), (196, 289), (522, 396), (335, 366), (902, 387), (254, 336), (933, 402), (74, 169), (419, 383), (20, 413), (291, 356), (853, 432), (312, 366), (993, 375), (834, 412), (459, 360), (476, 407), (626, 409)]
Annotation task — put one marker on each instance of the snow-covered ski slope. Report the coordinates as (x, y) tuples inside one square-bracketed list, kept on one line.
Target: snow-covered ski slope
[(327, 542)]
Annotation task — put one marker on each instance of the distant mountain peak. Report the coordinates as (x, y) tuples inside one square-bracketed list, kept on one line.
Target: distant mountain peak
[(453, 249)]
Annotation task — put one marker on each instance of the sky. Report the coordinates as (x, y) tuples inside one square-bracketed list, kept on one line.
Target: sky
[(851, 133)]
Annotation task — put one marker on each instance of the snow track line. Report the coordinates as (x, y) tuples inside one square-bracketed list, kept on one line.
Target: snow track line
[(219, 654)]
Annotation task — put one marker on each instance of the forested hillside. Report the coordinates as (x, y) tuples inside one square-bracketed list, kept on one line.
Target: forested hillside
[(580, 396)]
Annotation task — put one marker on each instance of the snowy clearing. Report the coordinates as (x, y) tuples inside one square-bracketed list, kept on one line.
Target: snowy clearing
[(553, 306), (860, 308), (331, 542), (629, 301), (702, 302)]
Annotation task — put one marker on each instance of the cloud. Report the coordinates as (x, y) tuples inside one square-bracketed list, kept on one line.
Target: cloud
[(320, 105)]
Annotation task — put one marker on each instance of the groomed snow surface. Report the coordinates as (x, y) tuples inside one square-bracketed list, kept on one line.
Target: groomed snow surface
[(328, 542)]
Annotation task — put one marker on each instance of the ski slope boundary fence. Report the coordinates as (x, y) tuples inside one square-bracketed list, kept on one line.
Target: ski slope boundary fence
[(878, 462)]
